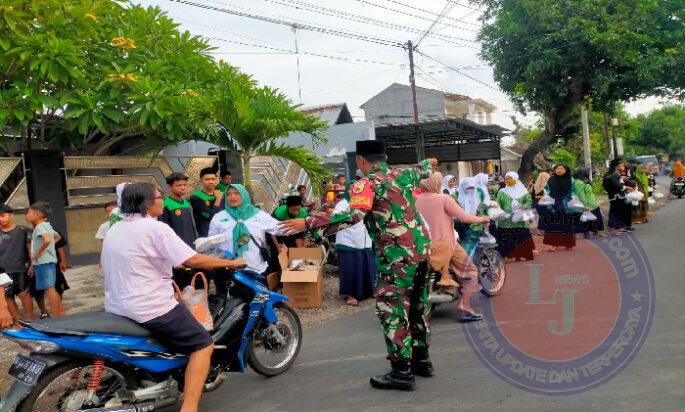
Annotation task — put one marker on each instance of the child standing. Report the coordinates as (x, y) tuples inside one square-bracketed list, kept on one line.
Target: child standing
[(586, 194), (43, 255)]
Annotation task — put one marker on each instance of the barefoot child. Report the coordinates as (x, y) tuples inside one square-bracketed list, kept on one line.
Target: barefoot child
[(43, 255)]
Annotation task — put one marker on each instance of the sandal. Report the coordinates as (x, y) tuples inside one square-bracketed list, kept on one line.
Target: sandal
[(449, 283), (352, 301), (470, 317)]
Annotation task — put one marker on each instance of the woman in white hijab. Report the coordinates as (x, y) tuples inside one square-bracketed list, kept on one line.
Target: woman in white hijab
[(474, 201), (482, 183), (449, 186), (116, 216), (514, 239)]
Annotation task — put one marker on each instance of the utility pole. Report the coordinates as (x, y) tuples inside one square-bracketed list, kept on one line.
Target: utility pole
[(587, 154), (297, 52), (614, 123), (420, 153)]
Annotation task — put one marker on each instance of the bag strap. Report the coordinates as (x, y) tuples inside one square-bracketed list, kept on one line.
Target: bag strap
[(204, 281), (178, 293)]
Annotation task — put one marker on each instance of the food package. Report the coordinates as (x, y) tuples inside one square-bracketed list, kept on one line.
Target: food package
[(575, 204), (546, 200), (634, 196), (587, 216), (305, 264), (658, 195), (651, 201), (523, 215), (496, 214), (487, 239)]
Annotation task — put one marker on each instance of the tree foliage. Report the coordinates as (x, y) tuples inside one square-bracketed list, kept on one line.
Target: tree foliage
[(89, 74), (661, 131), (550, 56), (255, 118)]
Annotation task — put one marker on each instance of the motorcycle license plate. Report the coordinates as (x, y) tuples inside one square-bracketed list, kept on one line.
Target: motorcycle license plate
[(680, 183), (26, 370)]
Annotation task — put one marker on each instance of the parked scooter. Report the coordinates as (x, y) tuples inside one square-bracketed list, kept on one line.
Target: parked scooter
[(678, 187), (491, 276), (102, 362)]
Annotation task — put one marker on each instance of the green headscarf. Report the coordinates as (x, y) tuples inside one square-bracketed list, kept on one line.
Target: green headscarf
[(241, 234)]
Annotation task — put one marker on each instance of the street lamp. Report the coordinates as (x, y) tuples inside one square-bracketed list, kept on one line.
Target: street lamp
[(614, 123)]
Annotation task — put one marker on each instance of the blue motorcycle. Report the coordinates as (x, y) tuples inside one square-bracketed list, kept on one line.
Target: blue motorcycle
[(102, 362)]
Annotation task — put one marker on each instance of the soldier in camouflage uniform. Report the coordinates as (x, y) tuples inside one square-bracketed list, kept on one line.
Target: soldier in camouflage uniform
[(383, 200)]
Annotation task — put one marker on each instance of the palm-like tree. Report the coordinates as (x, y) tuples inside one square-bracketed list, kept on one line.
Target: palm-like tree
[(255, 118)]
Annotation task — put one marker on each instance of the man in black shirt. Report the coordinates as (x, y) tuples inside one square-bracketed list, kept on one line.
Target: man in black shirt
[(15, 259), (179, 216), (206, 201)]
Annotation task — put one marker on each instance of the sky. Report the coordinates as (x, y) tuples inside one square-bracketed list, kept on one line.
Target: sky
[(340, 69)]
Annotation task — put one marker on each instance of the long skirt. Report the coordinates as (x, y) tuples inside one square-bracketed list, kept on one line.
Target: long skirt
[(594, 225), (561, 226), (357, 273), (515, 243)]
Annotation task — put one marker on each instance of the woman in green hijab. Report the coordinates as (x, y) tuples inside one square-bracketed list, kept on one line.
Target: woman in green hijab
[(245, 227)]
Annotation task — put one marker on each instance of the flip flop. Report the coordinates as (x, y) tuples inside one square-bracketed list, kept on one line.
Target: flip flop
[(470, 317)]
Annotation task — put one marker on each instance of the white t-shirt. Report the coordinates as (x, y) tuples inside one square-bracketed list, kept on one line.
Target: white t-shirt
[(102, 231), (258, 225), (137, 256), (355, 236)]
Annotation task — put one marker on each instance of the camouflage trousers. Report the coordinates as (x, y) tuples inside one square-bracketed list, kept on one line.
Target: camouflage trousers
[(401, 300)]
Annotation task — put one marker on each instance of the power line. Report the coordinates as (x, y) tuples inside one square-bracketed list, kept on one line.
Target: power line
[(448, 7), (362, 19), (302, 26), (433, 13), (454, 69), (370, 3), (285, 51)]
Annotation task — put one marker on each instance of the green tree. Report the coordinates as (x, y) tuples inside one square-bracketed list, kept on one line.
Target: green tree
[(88, 74), (552, 55), (662, 130), (253, 119)]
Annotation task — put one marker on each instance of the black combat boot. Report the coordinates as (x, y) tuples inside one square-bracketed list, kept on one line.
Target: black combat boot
[(421, 364), (399, 378)]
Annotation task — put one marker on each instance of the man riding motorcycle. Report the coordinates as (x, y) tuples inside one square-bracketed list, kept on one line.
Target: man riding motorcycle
[(137, 257)]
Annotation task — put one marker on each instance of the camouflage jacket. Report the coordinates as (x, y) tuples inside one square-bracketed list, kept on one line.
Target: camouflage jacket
[(384, 202)]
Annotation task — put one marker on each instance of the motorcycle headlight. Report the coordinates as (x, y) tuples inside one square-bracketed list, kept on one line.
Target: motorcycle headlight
[(38, 346)]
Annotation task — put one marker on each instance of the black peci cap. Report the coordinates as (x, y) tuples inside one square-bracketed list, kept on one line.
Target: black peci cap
[(208, 171), (4, 208), (293, 200), (370, 147)]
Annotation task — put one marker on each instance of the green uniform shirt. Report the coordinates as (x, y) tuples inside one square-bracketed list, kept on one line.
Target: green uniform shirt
[(585, 194), (179, 216), (505, 202)]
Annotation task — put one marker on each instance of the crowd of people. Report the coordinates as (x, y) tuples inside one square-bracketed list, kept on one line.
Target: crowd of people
[(391, 228)]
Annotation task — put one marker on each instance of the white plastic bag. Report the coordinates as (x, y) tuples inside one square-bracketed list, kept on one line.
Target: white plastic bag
[(196, 301), (487, 239), (496, 214), (634, 196), (523, 215), (575, 204), (651, 201), (587, 216), (658, 195), (546, 200)]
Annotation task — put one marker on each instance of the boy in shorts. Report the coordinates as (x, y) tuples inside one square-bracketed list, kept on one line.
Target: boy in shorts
[(43, 254), (15, 259)]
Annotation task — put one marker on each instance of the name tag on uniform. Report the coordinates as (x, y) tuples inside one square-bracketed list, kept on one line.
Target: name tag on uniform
[(361, 195)]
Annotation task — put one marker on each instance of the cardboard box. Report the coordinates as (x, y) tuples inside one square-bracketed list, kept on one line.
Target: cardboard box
[(304, 288)]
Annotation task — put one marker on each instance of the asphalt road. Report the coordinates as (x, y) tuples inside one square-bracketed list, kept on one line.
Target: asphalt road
[(333, 369)]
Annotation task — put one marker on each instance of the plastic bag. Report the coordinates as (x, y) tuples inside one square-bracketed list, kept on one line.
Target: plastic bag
[(651, 201), (546, 200), (634, 196), (196, 301), (487, 239), (587, 216), (496, 214), (575, 204), (523, 215), (658, 195)]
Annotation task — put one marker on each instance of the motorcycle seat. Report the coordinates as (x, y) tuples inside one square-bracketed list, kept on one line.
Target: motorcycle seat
[(91, 322)]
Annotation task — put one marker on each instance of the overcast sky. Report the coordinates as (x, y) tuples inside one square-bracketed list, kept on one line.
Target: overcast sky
[(353, 70)]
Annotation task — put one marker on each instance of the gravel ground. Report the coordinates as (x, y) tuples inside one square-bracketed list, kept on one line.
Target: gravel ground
[(86, 294)]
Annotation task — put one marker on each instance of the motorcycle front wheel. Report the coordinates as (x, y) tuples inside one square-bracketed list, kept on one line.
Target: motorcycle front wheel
[(270, 353), (63, 388), (491, 272)]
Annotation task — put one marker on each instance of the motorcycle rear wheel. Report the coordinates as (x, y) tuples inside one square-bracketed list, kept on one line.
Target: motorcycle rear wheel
[(493, 275), (61, 387), (262, 348)]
